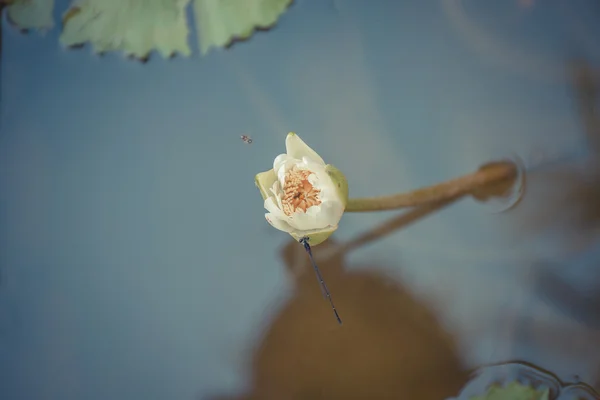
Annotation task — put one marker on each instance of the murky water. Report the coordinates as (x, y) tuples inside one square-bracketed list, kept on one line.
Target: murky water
[(136, 262)]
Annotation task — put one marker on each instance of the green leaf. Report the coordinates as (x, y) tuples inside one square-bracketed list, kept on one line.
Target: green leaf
[(132, 26), (316, 237), (340, 182), (264, 181), (31, 14), (513, 391), (220, 22)]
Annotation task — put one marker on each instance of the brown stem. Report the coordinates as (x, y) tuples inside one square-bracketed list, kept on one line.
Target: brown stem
[(490, 180)]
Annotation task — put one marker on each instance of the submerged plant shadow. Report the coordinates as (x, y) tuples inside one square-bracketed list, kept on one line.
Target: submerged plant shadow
[(573, 206), (395, 223), (564, 200), (390, 345), (572, 202)]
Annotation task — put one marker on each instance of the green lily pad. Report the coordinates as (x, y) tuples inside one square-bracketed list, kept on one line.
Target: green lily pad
[(220, 22), (31, 14), (132, 26), (513, 391)]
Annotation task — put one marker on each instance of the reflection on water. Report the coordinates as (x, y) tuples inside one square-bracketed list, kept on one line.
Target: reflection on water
[(390, 346)]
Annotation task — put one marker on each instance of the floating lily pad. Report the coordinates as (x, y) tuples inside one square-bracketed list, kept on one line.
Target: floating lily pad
[(132, 26), (220, 22), (31, 14), (513, 391)]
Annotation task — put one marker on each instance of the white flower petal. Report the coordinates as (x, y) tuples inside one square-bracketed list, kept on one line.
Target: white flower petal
[(275, 189), (331, 212), (306, 222), (284, 165), (321, 180), (272, 207), (277, 193), (312, 165), (280, 161), (278, 223), (296, 148), (318, 217), (281, 174)]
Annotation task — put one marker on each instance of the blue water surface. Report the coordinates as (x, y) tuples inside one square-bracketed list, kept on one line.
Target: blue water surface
[(135, 258)]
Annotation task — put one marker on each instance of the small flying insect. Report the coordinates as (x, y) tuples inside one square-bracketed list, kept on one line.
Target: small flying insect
[(246, 139), (324, 290)]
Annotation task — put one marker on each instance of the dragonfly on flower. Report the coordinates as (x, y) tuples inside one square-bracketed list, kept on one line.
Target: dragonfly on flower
[(324, 290)]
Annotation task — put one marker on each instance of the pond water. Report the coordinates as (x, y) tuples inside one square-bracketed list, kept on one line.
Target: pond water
[(136, 262)]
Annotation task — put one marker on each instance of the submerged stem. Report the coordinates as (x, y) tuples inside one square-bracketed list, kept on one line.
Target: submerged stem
[(502, 173)]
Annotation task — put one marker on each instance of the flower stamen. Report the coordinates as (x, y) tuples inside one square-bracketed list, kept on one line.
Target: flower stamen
[(298, 192)]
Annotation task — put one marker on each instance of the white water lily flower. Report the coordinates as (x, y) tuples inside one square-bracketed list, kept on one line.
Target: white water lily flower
[(304, 196)]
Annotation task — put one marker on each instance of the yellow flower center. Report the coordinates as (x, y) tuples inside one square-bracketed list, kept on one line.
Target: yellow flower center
[(298, 193)]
